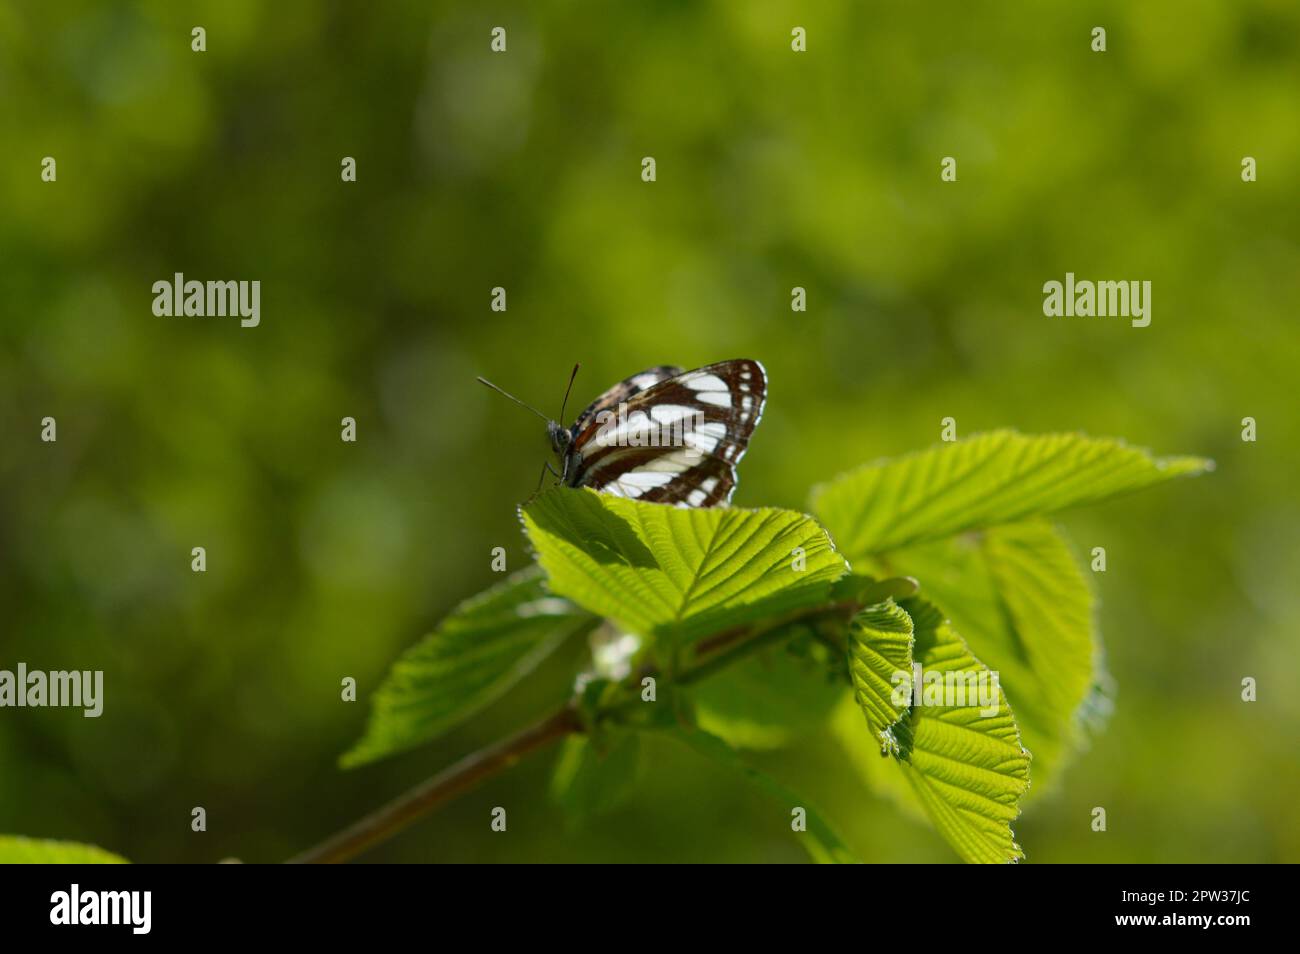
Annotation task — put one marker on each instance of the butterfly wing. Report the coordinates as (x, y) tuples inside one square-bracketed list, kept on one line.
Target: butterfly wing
[(677, 441)]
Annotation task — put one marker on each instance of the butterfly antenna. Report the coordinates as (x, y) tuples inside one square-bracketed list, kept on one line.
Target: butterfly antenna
[(515, 399), (567, 390)]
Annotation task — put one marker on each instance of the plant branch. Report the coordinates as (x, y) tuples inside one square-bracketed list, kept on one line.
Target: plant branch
[(446, 785), (711, 654)]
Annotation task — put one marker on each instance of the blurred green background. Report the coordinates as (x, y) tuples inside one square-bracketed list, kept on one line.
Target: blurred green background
[(522, 170)]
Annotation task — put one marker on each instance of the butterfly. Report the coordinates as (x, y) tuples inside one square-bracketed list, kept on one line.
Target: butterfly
[(663, 435)]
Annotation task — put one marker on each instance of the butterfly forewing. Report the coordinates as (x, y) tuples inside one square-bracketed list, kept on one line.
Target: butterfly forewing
[(623, 391), (675, 441)]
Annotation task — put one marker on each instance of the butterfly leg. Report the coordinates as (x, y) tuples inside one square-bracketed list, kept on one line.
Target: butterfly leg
[(540, 477)]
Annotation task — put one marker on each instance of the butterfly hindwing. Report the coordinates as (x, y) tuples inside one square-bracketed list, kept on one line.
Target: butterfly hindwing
[(705, 484), (697, 425)]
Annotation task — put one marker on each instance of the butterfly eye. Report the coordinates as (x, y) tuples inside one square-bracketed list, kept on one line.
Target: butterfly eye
[(558, 436)]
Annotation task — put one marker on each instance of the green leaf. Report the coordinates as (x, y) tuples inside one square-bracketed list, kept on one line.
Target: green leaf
[(967, 768), (821, 842), (1021, 602), (674, 573), (766, 700), (985, 480), (485, 646), (880, 667), (594, 778), (17, 850)]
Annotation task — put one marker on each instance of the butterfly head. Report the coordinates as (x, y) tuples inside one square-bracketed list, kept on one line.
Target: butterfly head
[(559, 437)]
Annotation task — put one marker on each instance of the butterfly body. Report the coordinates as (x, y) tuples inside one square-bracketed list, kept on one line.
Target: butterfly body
[(664, 435)]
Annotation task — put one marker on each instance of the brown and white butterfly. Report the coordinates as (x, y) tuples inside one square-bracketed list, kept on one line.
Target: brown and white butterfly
[(663, 435)]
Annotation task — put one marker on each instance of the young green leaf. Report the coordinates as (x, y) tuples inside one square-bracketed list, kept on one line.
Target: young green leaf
[(880, 666), (17, 850), (1019, 599), (769, 698), (867, 590), (677, 574), (486, 645), (985, 480), (878, 772), (821, 842), (964, 761), (594, 778)]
